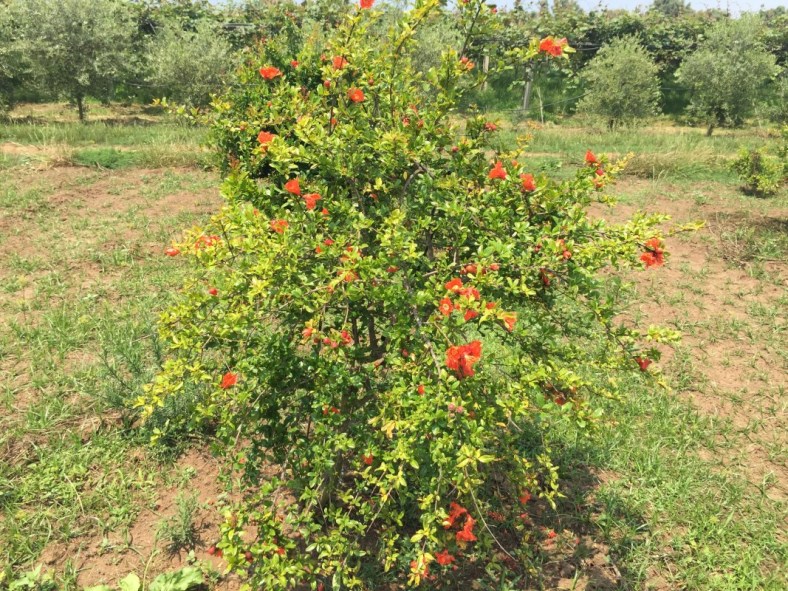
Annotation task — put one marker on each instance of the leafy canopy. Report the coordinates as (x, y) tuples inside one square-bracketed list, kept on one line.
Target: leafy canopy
[(80, 47)]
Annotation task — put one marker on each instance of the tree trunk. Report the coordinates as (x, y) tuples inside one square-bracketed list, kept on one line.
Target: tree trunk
[(485, 69), (710, 130), (81, 108), (527, 92)]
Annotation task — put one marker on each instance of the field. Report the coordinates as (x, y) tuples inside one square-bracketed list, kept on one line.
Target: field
[(684, 488)]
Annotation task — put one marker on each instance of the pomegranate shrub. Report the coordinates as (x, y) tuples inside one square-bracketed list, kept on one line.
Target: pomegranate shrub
[(386, 318)]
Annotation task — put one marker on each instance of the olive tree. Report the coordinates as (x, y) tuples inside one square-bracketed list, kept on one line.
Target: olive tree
[(9, 61), (79, 47), (622, 82), (726, 73), (189, 65), (671, 8)]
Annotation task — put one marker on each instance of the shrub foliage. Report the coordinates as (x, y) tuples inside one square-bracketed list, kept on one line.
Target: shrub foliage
[(387, 322), (760, 172)]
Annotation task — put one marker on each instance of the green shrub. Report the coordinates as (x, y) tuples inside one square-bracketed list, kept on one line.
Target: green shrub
[(760, 172), (399, 322), (623, 84)]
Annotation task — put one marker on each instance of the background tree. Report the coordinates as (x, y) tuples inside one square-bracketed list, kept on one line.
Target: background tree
[(14, 67), (189, 65), (727, 72), (80, 47), (671, 7), (623, 84)]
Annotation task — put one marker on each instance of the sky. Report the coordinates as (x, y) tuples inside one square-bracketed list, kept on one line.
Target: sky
[(735, 6)]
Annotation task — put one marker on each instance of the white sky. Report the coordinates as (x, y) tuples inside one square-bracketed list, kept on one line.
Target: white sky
[(735, 6)]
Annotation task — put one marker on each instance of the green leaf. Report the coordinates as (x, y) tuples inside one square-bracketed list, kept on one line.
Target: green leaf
[(179, 580), (129, 583)]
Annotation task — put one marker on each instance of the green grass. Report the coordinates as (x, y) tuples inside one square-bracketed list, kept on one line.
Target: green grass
[(99, 133), (105, 158), (73, 355), (122, 141), (658, 152), (667, 506)]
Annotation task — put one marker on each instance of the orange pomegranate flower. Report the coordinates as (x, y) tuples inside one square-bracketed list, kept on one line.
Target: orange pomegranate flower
[(470, 315), (654, 255), (454, 285), (338, 62), (311, 200), (466, 533), (643, 362), (265, 138), (455, 512), (461, 358), (279, 226), (292, 186), (591, 158), (172, 252), (552, 46), (270, 72), (446, 307), (497, 171), (444, 558), (365, 4), (509, 320), (471, 293), (229, 380), (368, 459), (466, 62), (528, 182), (356, 95)]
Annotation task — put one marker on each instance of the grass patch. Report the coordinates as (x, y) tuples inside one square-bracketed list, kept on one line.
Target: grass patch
[(659, 152), (744, 238), (706, 529), (100, 133), (105, 158), (75, 349)]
